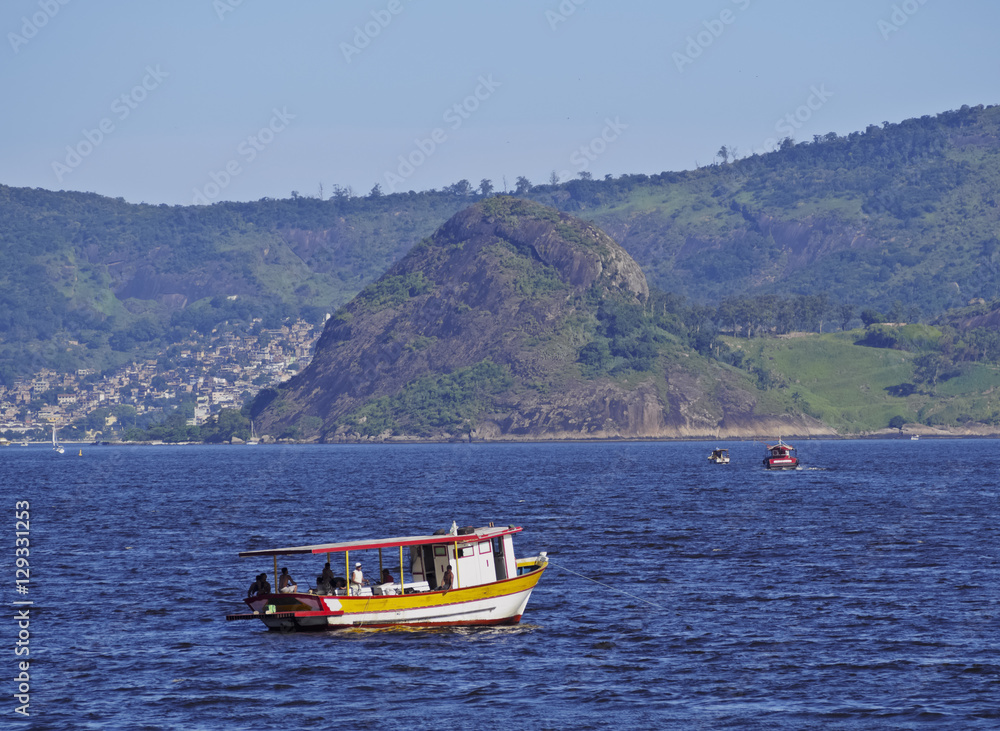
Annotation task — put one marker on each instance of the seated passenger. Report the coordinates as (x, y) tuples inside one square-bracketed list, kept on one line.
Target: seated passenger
[(446, 581), (386, 577), (263, 585), (255, 586), (323, 586), (286, 584)]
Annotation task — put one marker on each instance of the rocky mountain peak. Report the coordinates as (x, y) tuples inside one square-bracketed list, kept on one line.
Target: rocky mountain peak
[(581, 253)]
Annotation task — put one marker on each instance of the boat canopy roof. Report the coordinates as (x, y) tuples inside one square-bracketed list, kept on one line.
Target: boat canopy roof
[(479, 534)]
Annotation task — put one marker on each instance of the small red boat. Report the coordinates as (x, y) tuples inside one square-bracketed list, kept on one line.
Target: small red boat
[(780, 457)]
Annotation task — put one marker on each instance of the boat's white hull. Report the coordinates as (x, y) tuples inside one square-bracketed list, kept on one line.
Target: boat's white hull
[(499, 603)]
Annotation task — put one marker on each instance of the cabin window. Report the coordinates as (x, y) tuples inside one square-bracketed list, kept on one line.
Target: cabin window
[(466, 551), (501, 565), (440, 550), (485, 547)]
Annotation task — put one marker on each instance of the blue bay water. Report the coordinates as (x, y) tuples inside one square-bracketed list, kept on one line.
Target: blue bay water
[(859, 592)]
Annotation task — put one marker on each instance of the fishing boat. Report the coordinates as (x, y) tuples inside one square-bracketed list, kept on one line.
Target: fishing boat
[(489, 586), (719, 456), (56, 446), (780, 457)]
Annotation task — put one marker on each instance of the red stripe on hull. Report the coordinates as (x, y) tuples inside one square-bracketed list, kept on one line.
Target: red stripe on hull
[(398, 625)]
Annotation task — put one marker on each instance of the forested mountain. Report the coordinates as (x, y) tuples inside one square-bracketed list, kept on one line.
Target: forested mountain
[(900, 216), (899, 220), (517, 321)]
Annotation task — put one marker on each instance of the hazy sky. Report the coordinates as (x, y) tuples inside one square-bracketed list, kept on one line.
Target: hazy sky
[(203, 100)]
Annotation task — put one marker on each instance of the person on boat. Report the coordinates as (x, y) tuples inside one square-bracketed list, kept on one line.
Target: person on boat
[(447, 580), (255, 586), (327, 572), (263, 585), (386, 577), (286, 584), (357, 579)]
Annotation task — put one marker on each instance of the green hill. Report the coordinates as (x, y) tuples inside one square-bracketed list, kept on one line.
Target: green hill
[(900, 215), (516, 321)]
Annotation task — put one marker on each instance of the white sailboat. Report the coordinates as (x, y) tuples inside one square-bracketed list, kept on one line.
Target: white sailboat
[(56, 446), (253, 440)]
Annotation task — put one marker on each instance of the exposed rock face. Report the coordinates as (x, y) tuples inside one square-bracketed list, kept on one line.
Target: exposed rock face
[(477, 331), (588, 256)]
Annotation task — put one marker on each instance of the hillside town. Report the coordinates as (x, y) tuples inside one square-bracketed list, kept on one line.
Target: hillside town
[(225, 370)]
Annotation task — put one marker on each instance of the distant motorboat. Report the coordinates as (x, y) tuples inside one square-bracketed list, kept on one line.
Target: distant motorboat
[(719, 456), (780, 457), (914, 437)]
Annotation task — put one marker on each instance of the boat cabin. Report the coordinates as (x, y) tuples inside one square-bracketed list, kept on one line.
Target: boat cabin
[(479, 560)]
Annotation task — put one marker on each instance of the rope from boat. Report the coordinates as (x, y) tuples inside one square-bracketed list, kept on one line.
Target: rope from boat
[(609, 586)]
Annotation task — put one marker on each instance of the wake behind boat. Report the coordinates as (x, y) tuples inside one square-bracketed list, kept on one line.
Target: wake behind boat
[(488, 585)]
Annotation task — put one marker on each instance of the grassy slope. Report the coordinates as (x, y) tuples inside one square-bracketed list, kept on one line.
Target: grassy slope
[(845, 384)]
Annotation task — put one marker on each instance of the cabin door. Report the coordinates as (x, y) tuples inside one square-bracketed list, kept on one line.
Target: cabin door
[(498, 559), (430, 575)]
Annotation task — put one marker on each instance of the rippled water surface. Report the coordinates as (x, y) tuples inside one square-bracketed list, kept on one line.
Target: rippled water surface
[(859, 592)]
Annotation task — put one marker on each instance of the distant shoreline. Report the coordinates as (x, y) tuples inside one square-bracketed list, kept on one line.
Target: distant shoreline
[(608, 440)]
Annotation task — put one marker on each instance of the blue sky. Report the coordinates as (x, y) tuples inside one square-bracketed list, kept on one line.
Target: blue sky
[(195, 101)]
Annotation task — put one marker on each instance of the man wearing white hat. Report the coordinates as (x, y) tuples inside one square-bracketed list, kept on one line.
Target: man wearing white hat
[(357, 579)]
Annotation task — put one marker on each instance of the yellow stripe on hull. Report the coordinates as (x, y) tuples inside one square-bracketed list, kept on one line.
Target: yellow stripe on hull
[(395, 603), (500, 602)]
